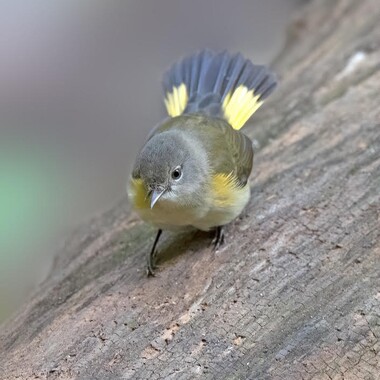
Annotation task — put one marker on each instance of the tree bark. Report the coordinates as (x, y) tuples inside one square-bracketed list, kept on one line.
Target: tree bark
[(294, 293)]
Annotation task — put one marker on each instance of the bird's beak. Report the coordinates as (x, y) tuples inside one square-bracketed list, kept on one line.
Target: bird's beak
[(155, 196)]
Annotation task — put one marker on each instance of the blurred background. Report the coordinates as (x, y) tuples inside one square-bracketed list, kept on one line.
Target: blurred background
[(79, 91)]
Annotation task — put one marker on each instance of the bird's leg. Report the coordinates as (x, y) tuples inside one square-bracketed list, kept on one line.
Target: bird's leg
[(151, 266), (219, 237)]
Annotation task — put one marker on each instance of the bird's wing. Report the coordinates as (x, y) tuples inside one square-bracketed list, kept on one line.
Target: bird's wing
[(239, 153)]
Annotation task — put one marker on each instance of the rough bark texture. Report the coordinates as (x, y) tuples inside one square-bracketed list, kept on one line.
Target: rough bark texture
[(295, 291)]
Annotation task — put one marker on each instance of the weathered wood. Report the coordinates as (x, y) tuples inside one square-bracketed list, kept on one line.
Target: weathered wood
[(295, 291)]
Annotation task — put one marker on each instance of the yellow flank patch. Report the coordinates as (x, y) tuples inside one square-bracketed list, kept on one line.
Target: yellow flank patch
[(137, 194), (239, 106), (224, 190), (176, 101)]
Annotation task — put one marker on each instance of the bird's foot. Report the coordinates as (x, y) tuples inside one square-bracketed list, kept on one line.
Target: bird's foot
[(151, 266), (218, 238)]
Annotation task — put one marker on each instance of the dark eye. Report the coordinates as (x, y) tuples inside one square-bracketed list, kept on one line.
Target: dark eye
[(177, 173)]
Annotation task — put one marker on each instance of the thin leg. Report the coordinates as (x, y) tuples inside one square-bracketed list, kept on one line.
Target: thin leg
[(219, 237), (150, 267)]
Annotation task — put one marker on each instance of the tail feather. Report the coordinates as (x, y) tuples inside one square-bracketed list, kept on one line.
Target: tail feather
[(219, 68), (236, 67), (220, 85), (204, 72)]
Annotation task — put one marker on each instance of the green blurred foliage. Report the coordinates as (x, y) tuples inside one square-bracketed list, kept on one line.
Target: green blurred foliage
[(27, 212)]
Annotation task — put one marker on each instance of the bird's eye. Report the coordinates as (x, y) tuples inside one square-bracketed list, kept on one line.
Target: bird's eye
[(177, 173)]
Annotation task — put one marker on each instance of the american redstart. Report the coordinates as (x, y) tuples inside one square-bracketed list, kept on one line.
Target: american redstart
[(193, 169)]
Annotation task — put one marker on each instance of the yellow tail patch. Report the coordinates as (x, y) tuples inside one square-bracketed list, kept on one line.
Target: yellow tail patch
[(176, 101), (240, 105)]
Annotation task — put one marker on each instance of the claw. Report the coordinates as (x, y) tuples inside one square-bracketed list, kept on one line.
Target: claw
[(219, 238)]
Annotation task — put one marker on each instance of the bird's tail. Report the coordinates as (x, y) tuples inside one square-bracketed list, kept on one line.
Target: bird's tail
[(220, 85)]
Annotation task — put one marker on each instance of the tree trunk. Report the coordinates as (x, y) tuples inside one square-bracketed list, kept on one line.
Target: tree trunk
[(294, 293)]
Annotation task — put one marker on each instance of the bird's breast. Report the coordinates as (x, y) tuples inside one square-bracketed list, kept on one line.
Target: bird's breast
[(222, 202)]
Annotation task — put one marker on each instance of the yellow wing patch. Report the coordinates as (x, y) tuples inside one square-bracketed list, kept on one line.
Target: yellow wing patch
[(176, 101), (240, 105), (137, 194), (225, 190)]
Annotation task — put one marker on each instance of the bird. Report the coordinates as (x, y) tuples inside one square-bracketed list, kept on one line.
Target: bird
[(193, 169)]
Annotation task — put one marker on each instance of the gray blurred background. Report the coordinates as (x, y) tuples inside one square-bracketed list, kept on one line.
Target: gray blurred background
[(79, 91)]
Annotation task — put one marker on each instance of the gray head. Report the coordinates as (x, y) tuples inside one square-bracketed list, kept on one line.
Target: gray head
[(172, 167)]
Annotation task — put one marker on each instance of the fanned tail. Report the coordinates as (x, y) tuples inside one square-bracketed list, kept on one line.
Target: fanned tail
[(220, 85)]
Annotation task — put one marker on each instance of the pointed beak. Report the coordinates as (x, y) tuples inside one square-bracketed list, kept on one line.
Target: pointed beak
[(155, 196)]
